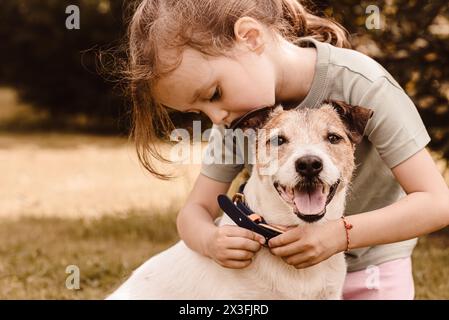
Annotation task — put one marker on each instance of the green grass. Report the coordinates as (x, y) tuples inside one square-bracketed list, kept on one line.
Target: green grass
[(34, 254), (431, 266)]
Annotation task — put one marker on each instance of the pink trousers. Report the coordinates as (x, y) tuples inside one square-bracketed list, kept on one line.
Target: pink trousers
[(392, 280)]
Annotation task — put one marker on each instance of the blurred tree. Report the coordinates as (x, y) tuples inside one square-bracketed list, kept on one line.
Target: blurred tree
[(51, 67), (412, 43), (56, 68)]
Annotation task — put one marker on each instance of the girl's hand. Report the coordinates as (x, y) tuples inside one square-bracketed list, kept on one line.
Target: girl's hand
[(309, 244), (233, 247)]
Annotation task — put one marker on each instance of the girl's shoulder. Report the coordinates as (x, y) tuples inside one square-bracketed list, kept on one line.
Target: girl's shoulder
[(357, 64)]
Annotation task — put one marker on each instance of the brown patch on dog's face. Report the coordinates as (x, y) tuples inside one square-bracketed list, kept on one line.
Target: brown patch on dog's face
[(355, 118), (334, 138)]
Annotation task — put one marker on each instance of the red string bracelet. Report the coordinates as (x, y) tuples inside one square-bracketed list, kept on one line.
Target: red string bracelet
[(348, 227)]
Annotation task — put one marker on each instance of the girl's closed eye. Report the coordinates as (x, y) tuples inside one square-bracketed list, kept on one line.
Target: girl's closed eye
[(186, 111), (192, 111)]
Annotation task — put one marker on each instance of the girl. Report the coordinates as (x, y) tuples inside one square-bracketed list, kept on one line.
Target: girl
[(225, 58)]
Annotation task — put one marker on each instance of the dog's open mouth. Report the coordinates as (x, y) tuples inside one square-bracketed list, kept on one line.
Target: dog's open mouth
[(309, 198)]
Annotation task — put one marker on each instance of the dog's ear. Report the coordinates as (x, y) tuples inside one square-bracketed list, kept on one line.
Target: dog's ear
[(355, 118), (254, 119)]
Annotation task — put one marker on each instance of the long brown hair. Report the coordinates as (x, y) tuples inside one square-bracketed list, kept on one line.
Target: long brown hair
[(207, 26)]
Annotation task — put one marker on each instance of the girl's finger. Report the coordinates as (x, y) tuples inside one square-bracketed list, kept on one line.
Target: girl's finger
[(237, 264), (305, 264), (297, 259), (239, 255), (242, 244), (287, 250), (285, 238), (236, 231)]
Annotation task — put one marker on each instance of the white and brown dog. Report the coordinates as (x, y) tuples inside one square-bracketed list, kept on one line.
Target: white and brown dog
[(315, 156)]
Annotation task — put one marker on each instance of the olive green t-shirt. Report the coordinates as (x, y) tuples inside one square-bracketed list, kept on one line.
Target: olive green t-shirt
[(392, 135)]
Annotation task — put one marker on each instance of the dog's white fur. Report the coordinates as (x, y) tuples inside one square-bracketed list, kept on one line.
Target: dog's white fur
[(180, 273)]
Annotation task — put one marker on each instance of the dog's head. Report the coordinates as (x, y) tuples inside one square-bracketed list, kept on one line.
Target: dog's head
[(310, 153)]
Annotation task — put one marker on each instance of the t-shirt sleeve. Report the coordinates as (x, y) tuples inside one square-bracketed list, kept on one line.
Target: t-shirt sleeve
[(219, 161), (396, 128)]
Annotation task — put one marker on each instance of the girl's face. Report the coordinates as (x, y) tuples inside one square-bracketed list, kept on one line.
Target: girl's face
[(222, 88)]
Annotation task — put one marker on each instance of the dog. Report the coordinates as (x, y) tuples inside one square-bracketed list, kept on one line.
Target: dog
[(315, 157)]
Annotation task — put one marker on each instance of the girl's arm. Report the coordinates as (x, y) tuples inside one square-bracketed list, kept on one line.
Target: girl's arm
[(199, 213), (425, 209), (230, 246)]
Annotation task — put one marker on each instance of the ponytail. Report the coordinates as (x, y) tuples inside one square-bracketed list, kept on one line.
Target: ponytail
[(303, 23)]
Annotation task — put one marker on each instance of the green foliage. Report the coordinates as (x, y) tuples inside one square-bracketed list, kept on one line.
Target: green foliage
[(56, 68), (413, 45)]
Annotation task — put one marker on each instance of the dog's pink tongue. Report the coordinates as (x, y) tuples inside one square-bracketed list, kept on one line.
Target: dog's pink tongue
[(310, 203)]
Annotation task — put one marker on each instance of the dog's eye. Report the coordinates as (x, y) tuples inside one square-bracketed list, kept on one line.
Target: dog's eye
[(277, 141), (334, 138)]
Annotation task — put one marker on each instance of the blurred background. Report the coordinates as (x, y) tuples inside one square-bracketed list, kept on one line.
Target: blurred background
[(71, 189)]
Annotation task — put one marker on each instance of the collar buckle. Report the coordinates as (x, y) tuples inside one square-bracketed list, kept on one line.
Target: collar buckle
[(238, 197)]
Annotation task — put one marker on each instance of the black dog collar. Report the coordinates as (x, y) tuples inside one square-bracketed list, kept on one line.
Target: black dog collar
[(244, 217)]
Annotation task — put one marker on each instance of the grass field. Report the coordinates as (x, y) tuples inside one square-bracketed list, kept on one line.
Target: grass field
[(34, 254)]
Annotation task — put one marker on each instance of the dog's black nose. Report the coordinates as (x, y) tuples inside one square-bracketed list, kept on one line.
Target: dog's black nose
[(309, 166)]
